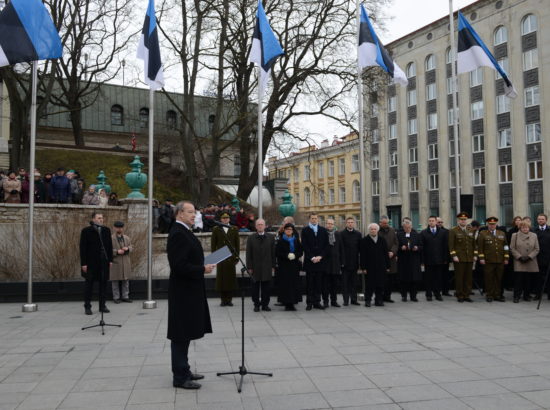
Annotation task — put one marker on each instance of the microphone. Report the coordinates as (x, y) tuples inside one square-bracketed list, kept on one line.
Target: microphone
[(221, 224)]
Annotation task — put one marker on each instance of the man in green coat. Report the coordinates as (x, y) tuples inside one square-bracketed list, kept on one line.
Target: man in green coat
[(226, 277)]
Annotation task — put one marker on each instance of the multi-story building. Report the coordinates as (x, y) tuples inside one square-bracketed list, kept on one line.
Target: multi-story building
[(410, 168)]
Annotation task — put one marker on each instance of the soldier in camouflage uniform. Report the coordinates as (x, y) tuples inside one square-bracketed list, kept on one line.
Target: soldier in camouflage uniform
[(463, 252), (493, 253)]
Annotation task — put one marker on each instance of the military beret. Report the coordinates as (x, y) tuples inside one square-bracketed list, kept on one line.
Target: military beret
[(224, 215), (119, 224), (492, 220), (463, 215)]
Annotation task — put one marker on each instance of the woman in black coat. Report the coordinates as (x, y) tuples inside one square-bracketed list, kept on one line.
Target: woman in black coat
[(288, 252), (409, 259), (375, 260)]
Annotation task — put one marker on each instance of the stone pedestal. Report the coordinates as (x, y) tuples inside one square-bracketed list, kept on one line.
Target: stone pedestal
[(136, 229)]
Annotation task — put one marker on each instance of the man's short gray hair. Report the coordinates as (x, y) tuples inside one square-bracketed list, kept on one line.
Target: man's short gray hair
[(374, 225), (180, 205), (406, 221), (384, 218)]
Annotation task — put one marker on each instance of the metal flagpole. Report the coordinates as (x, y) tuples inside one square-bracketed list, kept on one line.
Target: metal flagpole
[(150, 303), (30, 306), (259, 135), (455, 107), (363, 213)]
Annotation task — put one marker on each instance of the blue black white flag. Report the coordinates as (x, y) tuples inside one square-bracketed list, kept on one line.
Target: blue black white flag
[(473, 53), (372, 52), (265, 47), (27, 33), (149, 49)]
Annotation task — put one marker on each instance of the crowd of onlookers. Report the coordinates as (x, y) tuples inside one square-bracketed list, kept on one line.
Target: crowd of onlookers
[(61, 187)]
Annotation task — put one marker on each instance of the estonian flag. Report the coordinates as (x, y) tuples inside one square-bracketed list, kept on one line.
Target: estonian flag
[(473, 53), (27, 33), (149, 50), (265, 47), (372, 52)]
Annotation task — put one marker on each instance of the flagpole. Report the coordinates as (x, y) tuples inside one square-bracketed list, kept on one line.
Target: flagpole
[(455, 107), (30, 306), (363, 213), (260, 148), (150, 303)]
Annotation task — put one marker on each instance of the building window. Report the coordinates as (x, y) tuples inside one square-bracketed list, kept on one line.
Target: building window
[(297, 197), (393, 158), (476, 110), (307, 197), (452, 148), (375, 162), (432, 121), (117, 115), (342, 195), (530, 59), (375, 188), (434, 182), (431, 92), (392, 103), (342, 166), (321, 197), (411, 98), (451, 116), (330, 169), (532, 132), (342, 220), (413, 155), (432, 151), (413, 184), (321, 166), (503, 104), (375, 136), (451, 87), (392, 131), (374, 109), (430, 62), (531, 96), (452, 179), (356, 191), (478, 143), (448, 56), (331, 196), (504, 63), (412, 126), (500, 36), (394, 187), (476, 77), (237, 166), (505, 173), (479, 176), (505, 138), (411, 70), (534, 169), (355, 163), (307, 172), (143, 117), (528, 24), (171, 119), (296, 174)]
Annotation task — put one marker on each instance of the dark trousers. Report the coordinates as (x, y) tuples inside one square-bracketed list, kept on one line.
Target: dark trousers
[(88, 290), (538, 282), (446, 279), (389, 284), (180, 361), (330, 285), (522, 284), (263, 289), (493, 279), (408, 288), (314, 287), (349, 285), (226, 295), (374, 286), (433, 276), (463, 279)]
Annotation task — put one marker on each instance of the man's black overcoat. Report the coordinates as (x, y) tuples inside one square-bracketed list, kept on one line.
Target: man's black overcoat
[(315, 245), (90, 251)]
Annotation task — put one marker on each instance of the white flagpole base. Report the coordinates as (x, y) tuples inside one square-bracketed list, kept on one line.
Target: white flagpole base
[(149, 304), (30, 307)]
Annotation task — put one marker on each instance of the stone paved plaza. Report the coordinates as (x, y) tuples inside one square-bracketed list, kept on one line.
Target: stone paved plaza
[(426, 355)]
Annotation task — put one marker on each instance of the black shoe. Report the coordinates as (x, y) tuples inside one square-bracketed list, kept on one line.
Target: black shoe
[(326, 305), (516, 300), (318, 306), (527, 299), (196, 376), (88, 311), (127, 300), (438, 297), (355, 303), (468, 300), (489, 300), (335, 304), (309, 307), (266, 308), (346, 304), (403, 299), (367, 304), (389, 300), (472, 293), (228, 303), (117, 301), (188, 384), (290, 309), (256, 308), (378, 303), (500, 299), (414, 299), (460, 300), (429, 298), (104, 310), (223, 304)]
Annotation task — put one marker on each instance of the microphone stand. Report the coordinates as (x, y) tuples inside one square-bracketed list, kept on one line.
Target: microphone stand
[(243, 371), (102, 301)]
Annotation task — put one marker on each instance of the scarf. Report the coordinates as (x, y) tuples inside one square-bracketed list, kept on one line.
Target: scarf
[(374, 238), (290, 241), (332, 237), (314, 227)]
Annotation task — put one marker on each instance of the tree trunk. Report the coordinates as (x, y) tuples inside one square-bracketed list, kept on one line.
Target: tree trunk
[(76, 122)]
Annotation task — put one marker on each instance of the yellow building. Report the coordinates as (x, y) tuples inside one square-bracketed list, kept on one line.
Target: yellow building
[(323, 180)]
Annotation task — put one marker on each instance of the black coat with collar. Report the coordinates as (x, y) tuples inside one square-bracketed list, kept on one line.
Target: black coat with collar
[(188, 313), (90, 251), (543, 258), (315, 245), (436, 247)]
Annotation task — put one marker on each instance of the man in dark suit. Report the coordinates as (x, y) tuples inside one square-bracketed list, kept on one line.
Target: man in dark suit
[(435, 256), (316, 251), (96, 257), (350, 261), (188, 313), (543, 258)]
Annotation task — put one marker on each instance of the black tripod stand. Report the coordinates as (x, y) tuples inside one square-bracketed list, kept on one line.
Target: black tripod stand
[(243, 371)]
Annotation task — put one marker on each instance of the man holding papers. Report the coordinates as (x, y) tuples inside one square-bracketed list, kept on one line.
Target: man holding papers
[(188, 314)]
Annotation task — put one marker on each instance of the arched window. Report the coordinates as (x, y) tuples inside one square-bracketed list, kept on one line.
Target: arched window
[(307, 197), (430, 62), (117, 114), (448, 58), (500, 36), (143, 117), (411, 70), (171, 119), (528, 24), (356, 191)]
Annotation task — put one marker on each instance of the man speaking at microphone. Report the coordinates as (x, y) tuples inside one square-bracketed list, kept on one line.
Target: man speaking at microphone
[(188, 313), (96, 257)]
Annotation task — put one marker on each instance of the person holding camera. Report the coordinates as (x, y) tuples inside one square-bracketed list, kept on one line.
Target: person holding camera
[(121, 270)]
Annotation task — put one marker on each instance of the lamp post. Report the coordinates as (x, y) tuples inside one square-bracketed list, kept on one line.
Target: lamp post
[(123, 69)]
